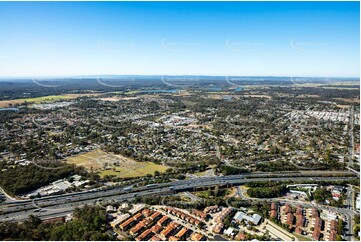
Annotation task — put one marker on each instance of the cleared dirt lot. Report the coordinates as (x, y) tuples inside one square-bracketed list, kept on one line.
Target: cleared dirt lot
[(112, 164)]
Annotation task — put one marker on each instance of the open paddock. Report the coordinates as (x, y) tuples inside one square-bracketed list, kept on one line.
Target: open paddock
[(44, 99), (112, 164)]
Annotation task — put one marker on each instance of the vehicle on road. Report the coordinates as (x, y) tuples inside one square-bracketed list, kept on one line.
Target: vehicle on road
[(151, 185)]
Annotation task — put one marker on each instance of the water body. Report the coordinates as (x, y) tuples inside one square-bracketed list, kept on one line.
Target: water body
[(159, 91), (215, 89), (9, 109), (238, 89)]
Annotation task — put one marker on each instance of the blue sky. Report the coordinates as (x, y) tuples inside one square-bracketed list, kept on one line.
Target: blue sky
[(195, 38)]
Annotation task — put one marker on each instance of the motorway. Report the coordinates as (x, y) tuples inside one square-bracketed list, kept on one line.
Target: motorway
[(351, 148), (60, 205)]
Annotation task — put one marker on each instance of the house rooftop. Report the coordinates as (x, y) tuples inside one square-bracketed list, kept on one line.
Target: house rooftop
[(196, 237), (181, 232)]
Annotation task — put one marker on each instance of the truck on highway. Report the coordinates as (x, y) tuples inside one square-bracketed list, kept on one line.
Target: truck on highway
[(128, 189)]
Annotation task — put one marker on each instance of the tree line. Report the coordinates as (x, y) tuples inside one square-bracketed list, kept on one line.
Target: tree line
[(89, 224), (25, 179)]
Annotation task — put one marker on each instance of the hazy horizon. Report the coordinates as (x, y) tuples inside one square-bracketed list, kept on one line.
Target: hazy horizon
[(158, 75)]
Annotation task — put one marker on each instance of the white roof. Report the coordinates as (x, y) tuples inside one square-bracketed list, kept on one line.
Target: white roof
[(62, 185), (229, 231)]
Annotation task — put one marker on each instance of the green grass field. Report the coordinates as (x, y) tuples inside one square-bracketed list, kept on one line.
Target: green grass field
[(131, 92), (7, 103), (46, 99), (148, 168)]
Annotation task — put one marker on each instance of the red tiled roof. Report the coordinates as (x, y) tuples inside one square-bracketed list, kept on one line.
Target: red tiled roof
[(181, 232), (316, 234), (165, 232), (173, 224), (290, 218), (332, 236), (315, 213), (273, 214), (136, 228), (155, 215), (162, 220), (273, 206), (196, 237), (199, 213), (287, 208), (146, 212), (156, 238), (318, 223), (333, 225), (156, 228), (240, 236), (143, 235), (298, 230), (53, 220), (173, 238), (300, 220), (126, 223)]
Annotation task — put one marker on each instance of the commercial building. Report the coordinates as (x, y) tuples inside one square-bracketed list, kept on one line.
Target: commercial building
[(255, 218)]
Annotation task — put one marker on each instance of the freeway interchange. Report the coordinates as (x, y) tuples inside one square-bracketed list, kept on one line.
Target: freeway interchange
[(60, 205)]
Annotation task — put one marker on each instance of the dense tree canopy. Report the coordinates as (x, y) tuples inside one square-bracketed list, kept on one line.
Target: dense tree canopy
[(267, 192), (229, 170), (24, 179), (89, 223)]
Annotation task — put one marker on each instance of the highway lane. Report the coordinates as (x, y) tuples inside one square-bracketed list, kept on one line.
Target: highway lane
[(351, 148), (63, 209), (58, 204), (104, 193), (120, 189), (183, 184)]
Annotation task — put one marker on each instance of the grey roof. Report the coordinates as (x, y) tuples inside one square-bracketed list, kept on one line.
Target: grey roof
[(254, 219)]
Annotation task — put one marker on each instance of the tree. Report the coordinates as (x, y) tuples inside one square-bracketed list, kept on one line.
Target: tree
[(89, 223), (340, 226), (321, 195)]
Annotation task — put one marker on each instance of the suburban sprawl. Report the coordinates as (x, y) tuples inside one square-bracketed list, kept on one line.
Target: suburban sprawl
[(188, 158)]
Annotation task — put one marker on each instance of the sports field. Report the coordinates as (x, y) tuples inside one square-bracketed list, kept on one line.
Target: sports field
[(112, 164)]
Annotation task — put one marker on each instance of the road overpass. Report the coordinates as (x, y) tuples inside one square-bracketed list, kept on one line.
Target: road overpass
[(56, 206)]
